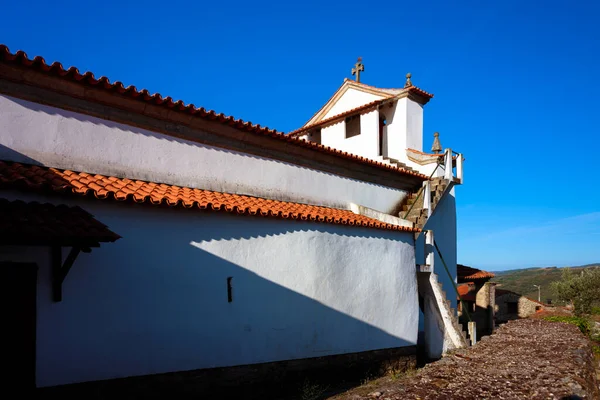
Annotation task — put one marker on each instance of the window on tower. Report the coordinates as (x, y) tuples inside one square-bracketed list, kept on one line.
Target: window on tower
[(315, 136), (352, 126)]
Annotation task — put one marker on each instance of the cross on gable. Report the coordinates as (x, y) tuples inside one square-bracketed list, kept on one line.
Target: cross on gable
[(358, 68)]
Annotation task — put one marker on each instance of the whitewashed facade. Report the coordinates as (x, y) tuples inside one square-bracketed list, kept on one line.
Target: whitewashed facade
[(185, 289)]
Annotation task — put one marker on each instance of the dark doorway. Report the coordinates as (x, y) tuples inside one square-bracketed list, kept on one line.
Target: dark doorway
[(18, 310)]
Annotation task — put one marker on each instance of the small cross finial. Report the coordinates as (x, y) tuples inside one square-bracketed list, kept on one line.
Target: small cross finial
[(358, 68), (408, 81), (437, 146)]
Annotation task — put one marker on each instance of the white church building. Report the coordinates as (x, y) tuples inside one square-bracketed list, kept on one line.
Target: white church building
[(144, 237)]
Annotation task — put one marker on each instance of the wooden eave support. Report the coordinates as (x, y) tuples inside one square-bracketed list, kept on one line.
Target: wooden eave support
[(60, 269)]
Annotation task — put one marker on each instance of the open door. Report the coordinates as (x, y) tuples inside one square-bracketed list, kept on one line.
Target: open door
[(18, 337)]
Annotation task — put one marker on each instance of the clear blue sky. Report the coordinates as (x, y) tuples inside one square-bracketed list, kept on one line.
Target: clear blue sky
[(516, 87)]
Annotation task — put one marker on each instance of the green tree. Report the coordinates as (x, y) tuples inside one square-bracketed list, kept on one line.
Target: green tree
[(582, 290)]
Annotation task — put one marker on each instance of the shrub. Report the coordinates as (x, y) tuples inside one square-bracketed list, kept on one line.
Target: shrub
[(312, 391), (581, 290)]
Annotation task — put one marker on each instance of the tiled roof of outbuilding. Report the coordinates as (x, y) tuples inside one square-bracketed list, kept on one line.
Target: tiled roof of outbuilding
[(465, 273), (44, 224)]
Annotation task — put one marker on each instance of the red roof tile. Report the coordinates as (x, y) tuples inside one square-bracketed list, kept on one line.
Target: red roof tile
[(87, 78), (42, 224), (465, 273), (122, 189), (413, 89), (466, 292), (357, 110), (463, 289)]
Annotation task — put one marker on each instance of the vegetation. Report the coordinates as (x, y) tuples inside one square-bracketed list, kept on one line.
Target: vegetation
[(522, 280), (312, 390), (581, 289), (584, 324)]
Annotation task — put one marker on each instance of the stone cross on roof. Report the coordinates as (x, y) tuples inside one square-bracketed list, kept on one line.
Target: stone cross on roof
[(358, 68)]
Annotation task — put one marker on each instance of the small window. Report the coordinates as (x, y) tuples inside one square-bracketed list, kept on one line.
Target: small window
[(316, 136), (352, 126), (512, 307)]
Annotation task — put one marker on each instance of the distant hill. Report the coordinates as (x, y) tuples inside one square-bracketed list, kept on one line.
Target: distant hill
[(522, 280)]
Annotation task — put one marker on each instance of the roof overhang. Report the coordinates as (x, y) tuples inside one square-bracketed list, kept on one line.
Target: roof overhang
[(36, 224), (412, 92), (467, 274), (56, 226), (339, 117)]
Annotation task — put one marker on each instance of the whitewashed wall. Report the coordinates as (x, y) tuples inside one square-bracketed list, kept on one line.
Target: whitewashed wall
[(156, 300), (31, 132), (426, 169), (443, 224), (414, 125), (366, 144), (405, 129), (352, 98), (431, 323)]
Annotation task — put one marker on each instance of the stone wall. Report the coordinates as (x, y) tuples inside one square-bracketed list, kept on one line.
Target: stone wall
[(519, 361), (524, 307), (482, 312), (283, 379)]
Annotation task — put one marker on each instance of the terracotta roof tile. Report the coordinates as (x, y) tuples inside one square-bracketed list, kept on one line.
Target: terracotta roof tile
[(358, 110), (15, 175), (463, 290), (87, 78), (415, 89), (467, 292), (41, 224), (465, 273), (337, 117), (394, 91)]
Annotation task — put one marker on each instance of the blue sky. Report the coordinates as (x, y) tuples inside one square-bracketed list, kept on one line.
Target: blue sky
[(516, 89)]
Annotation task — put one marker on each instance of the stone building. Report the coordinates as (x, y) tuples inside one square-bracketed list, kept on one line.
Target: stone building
[(511, 305), (478, 297)]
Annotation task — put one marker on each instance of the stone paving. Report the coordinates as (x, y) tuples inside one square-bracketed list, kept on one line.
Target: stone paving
[(523, 359)]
